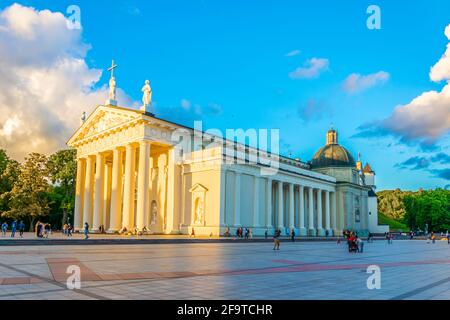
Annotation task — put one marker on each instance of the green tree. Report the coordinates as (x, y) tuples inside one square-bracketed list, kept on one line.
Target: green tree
[(28, 199), (62, 167), (428, 208), (8, 177)]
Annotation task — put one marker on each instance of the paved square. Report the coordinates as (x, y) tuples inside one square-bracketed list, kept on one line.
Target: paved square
[(300, 270)]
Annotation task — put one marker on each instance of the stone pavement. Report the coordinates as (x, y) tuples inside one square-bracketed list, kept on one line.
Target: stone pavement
[(301, 270)]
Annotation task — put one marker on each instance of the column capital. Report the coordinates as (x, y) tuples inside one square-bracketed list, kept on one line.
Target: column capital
[(130, 146), (144, 142)]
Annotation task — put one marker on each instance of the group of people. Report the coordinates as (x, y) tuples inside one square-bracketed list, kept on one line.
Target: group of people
[(14, 228), (67, 230), (355, 243), (389, 237), (42, 230), (247, 233)]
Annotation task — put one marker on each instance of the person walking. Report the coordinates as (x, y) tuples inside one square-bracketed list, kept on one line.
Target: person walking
[(86, 231), (4, 228), (21, 228), (276, 239), (360, 244), (47, 230), (193, 233), (13, 229), (266, 233), (433, 237), (69, 230), (293, 235)]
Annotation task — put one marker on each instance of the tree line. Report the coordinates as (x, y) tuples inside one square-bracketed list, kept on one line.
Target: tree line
[(40, 188), (423, 209), (428, 210)]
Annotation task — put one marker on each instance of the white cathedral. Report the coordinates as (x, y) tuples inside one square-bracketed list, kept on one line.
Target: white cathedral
[(132, 175)]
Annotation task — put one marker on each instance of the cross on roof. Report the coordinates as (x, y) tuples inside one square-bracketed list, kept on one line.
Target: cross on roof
[(111, 69)]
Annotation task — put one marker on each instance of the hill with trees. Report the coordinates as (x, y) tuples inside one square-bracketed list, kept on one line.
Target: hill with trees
[(418, 210)]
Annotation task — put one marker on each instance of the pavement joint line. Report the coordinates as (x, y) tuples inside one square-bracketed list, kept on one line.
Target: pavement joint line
[(420, 290), (54, 282)]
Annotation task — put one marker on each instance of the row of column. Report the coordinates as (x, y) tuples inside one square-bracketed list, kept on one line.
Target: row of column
[(320, 227), (109, 201), (278, 208)]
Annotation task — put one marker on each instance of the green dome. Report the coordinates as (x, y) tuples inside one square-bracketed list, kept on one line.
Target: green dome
[(333, 155)]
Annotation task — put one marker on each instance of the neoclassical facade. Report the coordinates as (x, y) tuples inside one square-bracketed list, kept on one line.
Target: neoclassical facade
[(132, 174)]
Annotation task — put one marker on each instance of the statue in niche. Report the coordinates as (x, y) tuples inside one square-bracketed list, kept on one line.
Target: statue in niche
[(154, 212), (199, 211)]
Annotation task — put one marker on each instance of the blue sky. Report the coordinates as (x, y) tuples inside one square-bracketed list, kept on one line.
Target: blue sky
[(231, 58)]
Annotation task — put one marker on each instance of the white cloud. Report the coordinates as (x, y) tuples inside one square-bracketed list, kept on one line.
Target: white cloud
[(441, 70), (45, 83), (312, 69), (426, 118), (293, 53), (357, 82)]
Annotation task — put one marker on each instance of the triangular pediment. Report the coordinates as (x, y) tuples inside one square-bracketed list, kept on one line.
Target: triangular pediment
[(198, 188), (103, 118)]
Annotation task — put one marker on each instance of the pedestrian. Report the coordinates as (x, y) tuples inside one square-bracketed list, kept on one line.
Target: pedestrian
[(276, 239), (247, 232), (4, 228), (360, 244), (69, 230), (48, 230), (21, 228), (293, 235), (266, 233), (250, 233), (86, 231), (13, 229), (327, 233), (193, 233), (433, 237)]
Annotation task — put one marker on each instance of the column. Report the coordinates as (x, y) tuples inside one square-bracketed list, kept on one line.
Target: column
[(115, 222), (170, 191), (302, 211), (98, 192), (129, 185), (78, 213), (256, 202), (320, 231), (88, 191), (143, 182), (107, 195), (280, 205), (269, 203), (223, 190), (291, 207), (237, 199), (333, 214), (311, 230), (327, 213)]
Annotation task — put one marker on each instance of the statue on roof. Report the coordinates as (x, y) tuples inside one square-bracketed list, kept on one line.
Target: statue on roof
[(147, 97)]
